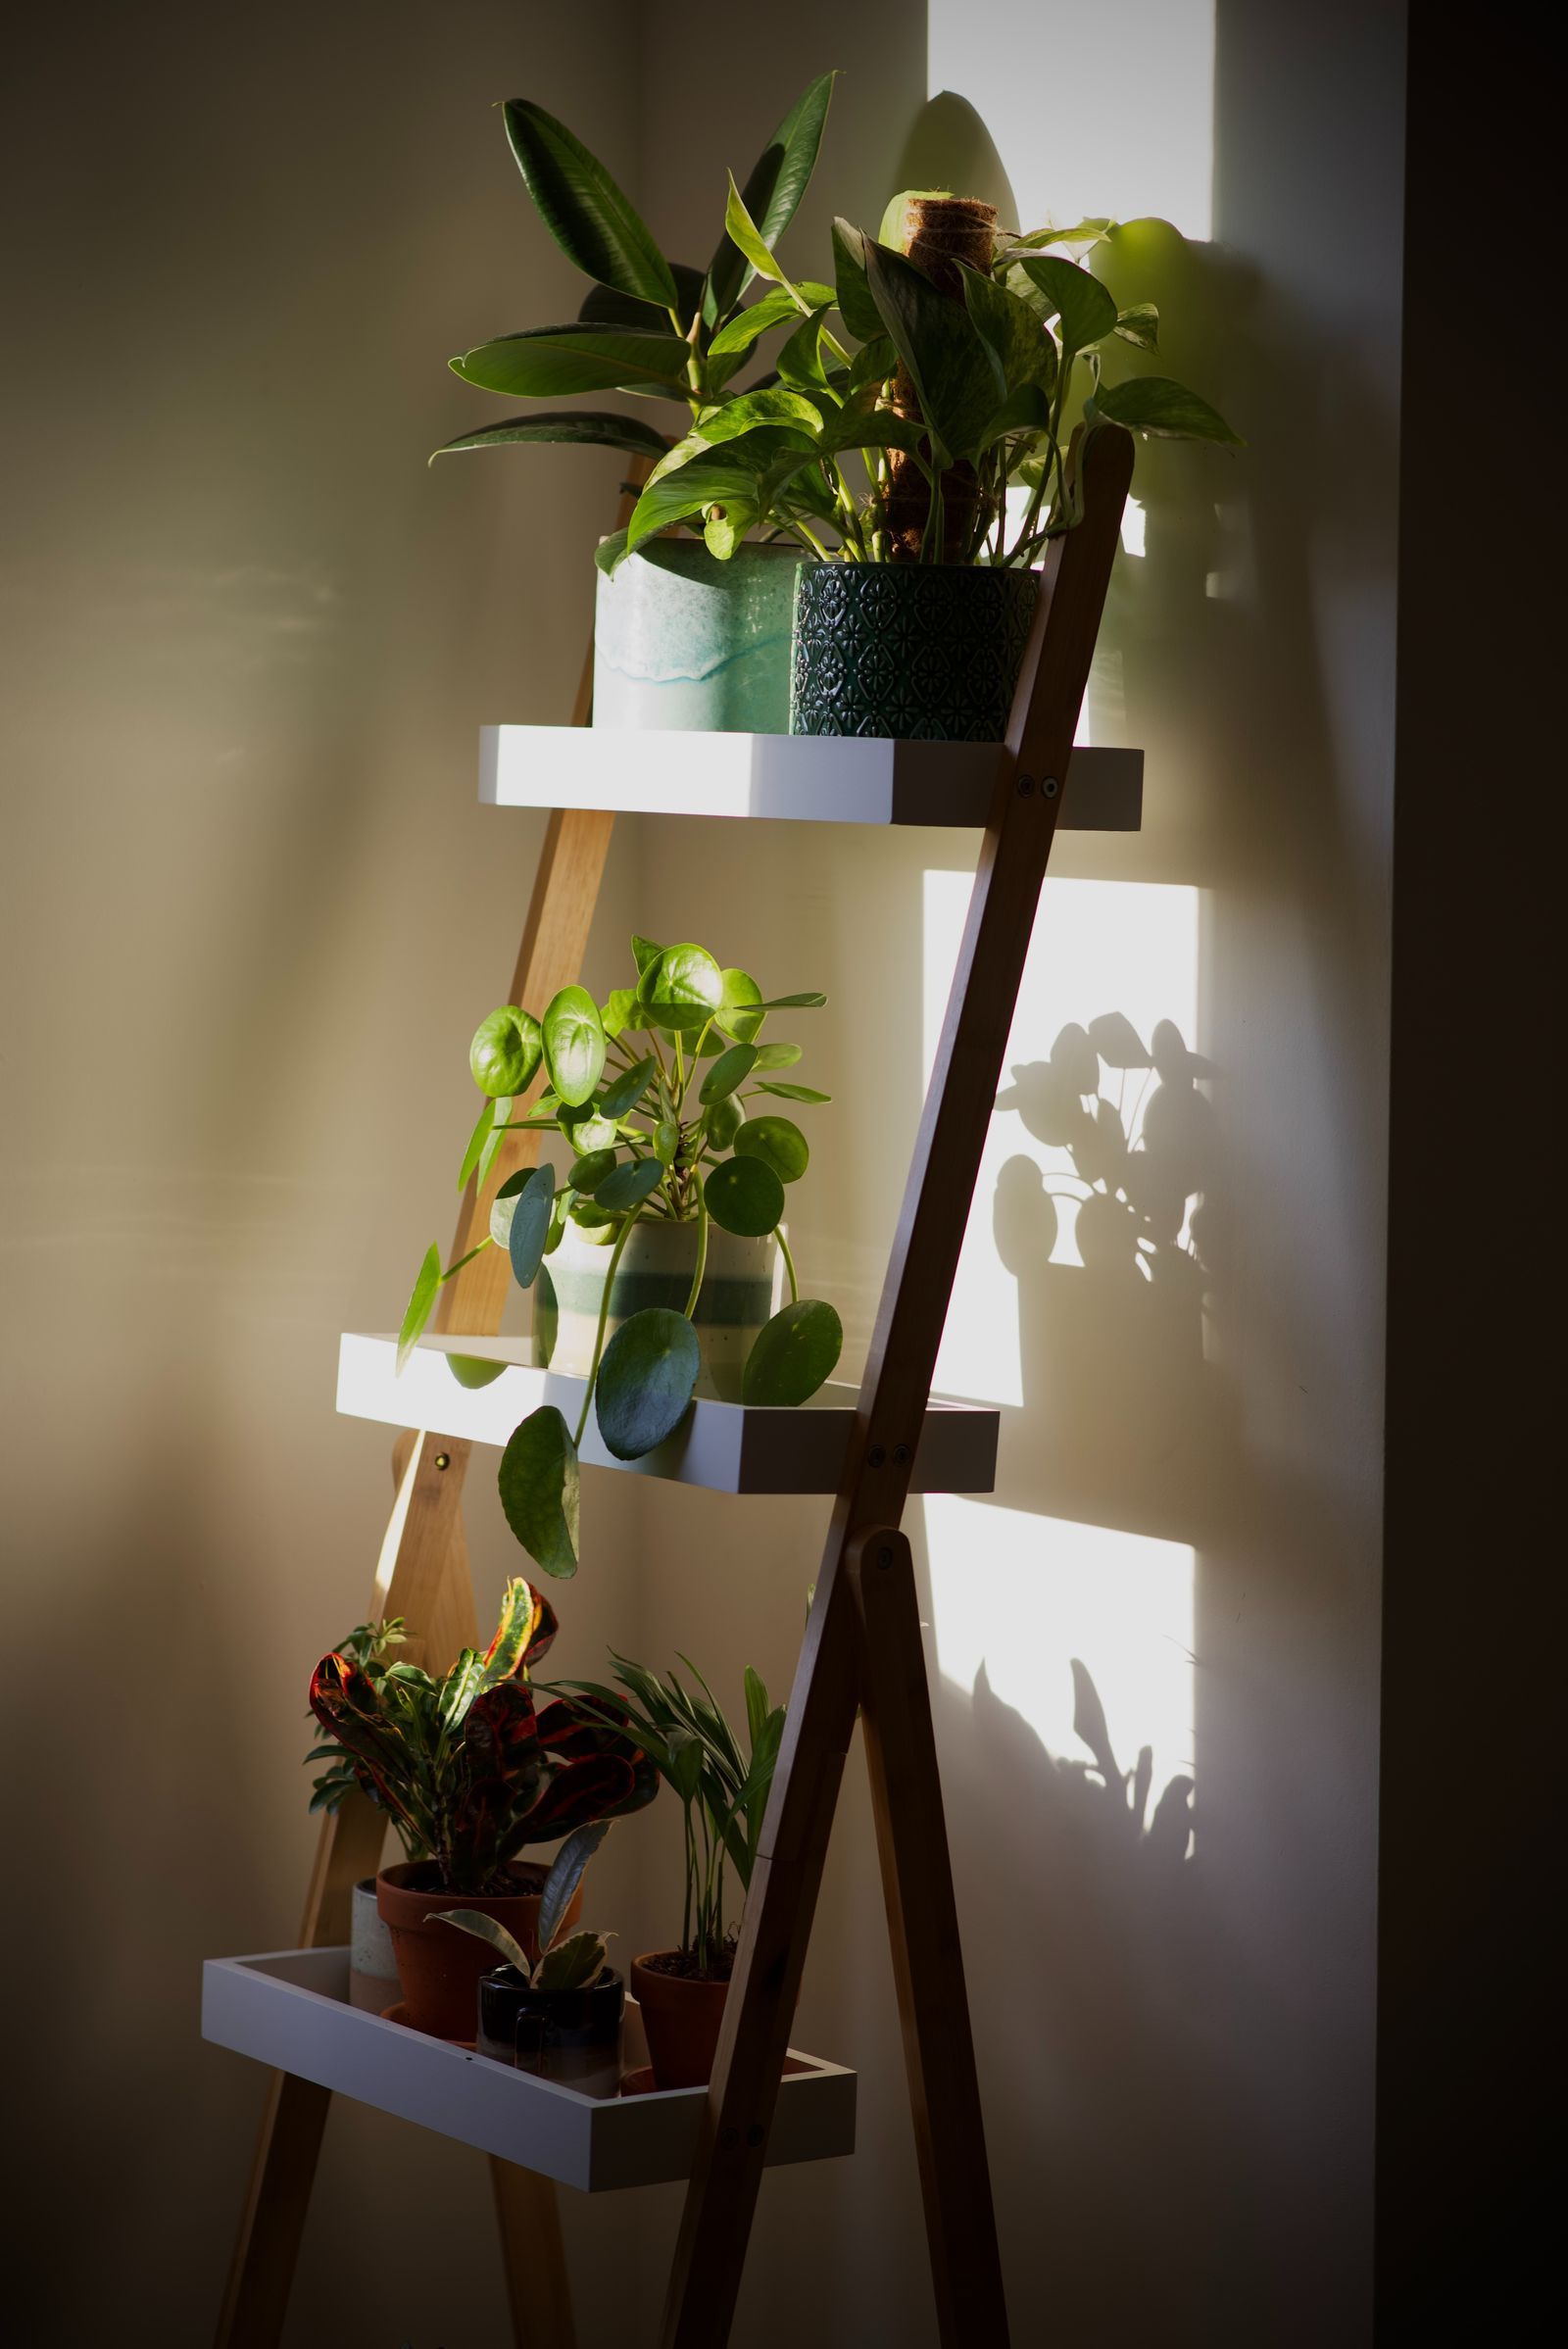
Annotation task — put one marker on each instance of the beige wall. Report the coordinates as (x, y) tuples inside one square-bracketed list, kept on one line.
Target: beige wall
[(251, 913)]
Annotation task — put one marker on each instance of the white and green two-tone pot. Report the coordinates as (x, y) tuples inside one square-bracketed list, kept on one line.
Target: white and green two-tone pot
[(739, 1295), (682, 640)]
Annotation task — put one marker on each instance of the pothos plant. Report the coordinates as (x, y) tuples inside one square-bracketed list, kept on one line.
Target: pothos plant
[(467, 1767), (652, 327), (662, 1095), (1009, 376)]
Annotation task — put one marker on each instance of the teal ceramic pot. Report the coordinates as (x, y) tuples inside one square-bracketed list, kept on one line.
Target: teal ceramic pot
[(683, 640), (738, 1295), (922, 652)]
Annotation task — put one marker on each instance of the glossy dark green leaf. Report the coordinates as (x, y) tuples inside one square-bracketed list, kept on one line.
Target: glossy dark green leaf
[(530, 1224), (539, 1487), (773, 189), (544, 362), (799, 358), (1139, 323), (574, 1045), (745, 1196), (696, 487), (601, 306), (724, 1122), (590, 1170), (646, 1381), (1156, 405), (778, 1143), (1025, 352), (423, 1297), (506, 1051), (630, 1184), (772, 310), (599, 231), (792, 1355), (855, 307), (620, 1097), (732, 1068), (1086, 310), (778, 411), (474, 1147), (795, 1092), (684, 988), (955, 372), (585, 426)]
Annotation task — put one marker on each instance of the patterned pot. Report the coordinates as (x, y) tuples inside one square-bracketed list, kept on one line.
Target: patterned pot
[(656, 1268), (925, 652), (681, 638)]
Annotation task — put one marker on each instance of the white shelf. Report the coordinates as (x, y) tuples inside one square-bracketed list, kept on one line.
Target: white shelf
[(840, 779), (290, 2009), (731, 1447)]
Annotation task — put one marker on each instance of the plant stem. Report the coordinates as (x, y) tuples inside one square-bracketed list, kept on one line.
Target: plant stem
[(486, 1242), (702, 1245), (621, 1237), (789, 1265)]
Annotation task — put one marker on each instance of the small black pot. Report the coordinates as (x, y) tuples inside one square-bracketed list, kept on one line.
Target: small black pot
[(572, 2036), (925, 652)]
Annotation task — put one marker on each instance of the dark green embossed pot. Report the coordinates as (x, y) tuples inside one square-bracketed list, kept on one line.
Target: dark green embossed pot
[(923, 652)]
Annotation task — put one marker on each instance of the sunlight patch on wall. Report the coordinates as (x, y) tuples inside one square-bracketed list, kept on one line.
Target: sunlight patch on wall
[(1117, 118), (1021, 1596), (1098, 947)]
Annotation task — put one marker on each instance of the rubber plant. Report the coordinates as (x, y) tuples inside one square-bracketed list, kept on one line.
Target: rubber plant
[(664, 1096), (469, 1770), (660, 329), (566, 1961), (992, 380)]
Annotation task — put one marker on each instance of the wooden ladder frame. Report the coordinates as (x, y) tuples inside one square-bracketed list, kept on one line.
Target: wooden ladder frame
[(862, 1650)]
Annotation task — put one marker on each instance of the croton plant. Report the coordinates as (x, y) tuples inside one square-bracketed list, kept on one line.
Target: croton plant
[(467, 1767)]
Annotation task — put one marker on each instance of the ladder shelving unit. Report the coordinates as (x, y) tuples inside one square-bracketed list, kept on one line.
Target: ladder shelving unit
[(863, 1652)]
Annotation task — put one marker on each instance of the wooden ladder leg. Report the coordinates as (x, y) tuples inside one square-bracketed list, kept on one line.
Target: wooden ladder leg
[(927, 1956), (759, 2013), (538, 2287)]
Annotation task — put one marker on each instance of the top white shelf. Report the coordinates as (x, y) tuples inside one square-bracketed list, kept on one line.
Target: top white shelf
[(832, 779)]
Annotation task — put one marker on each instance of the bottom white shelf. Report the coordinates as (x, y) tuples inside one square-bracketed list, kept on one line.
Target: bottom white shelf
[(290, 2009)]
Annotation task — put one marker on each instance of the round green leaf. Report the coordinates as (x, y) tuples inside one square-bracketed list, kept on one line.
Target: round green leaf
[(646, 1381), (794, 1354), (590, 1170), (591, 1219), (573, 1044), (506, 1051), (620, 1097), (730, 1069), (724, 1122), (745, 1196), (778, 1143), (589, 1132), (630, 1184), (682, 988), (530, 1224), (538, 1482), (740, 990), (776, 1055), (474, 1370), (666, 1140), (504, 1205)]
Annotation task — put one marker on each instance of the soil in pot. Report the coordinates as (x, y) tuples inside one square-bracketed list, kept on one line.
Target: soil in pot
[(739, 1292), (921, 652), (568, 2035), (439, 1966), (683, 2011), (683, 640)]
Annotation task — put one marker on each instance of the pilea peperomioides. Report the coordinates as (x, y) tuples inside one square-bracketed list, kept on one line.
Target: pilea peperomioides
[(676, 1127)]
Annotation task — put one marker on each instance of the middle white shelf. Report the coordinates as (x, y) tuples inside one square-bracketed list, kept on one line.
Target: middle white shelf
[(730, 1448)]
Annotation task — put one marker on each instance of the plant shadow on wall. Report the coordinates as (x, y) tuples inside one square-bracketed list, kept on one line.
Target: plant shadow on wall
[(1115, 1384)]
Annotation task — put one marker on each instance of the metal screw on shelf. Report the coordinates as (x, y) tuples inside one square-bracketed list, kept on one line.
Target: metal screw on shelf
[(884, 1558), (1026, 784), (755, 2134), (901, 1453), (876, 1456), (443, 1459), (729, 2138), (1051, 787)]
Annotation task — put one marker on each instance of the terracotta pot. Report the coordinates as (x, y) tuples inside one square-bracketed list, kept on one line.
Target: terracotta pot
[(681, 2019), (438, 1965)]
